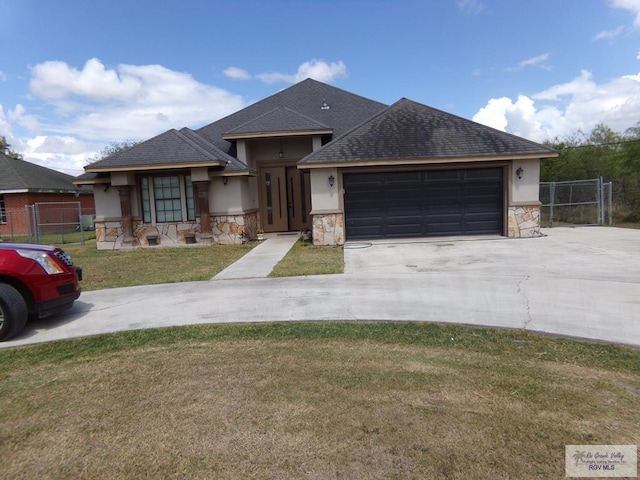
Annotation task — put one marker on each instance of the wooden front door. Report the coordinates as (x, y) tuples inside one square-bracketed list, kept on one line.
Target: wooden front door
[(299, 199), (285, 199)]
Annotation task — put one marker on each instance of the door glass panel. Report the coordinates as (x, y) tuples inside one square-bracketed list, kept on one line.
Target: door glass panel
[(303, 197), (269, 198)]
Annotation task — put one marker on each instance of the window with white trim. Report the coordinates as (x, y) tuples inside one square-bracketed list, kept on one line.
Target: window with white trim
[(166, 199)]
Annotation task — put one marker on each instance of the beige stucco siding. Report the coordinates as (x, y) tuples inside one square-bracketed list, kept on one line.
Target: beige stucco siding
[(325, 198), (238, 195), (525, 190), (107, 203)]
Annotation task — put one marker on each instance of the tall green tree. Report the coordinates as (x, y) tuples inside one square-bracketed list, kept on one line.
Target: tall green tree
[(4, 148)]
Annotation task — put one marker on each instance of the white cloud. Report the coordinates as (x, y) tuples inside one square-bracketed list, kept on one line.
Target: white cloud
[(237, 73), (133, 101), (566, 108), (316, 69), (608, 34), (3, 77), (57, 80), (5, 127), (471, 7), (541, 61), (83, 109), (18, 115), (63, 153), (633, 6)]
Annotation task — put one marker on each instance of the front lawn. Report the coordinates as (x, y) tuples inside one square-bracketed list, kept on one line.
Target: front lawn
[(146, 266), (307, 259), (312, 400)]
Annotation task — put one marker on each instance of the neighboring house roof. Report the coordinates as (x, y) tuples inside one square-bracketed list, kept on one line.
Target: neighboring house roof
[(327, 105), (171, 149), (21, 176), (408, 131), (278, 122)]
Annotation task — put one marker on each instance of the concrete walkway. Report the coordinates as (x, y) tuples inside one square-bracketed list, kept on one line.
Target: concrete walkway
[(579, 282), (259, 262)]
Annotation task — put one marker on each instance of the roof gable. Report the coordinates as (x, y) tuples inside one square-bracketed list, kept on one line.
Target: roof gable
[(317, 101), (408, 130), (277, 122), (22, 175)]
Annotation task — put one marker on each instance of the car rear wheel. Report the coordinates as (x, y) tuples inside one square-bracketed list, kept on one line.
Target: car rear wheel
[(13, 312)]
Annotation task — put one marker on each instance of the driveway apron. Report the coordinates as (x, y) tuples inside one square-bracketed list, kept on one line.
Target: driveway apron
[(578, 282)]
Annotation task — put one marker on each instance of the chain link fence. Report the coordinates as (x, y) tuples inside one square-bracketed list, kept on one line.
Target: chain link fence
[(51, 223), (578, 202)]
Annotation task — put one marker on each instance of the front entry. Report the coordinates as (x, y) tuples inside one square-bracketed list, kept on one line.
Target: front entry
[(285, 199)]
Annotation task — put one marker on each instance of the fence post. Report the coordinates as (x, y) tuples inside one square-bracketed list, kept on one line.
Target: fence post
[(27, 221), (552, 194), (599, 201), (602, 201), (80, 222), (610, 203)]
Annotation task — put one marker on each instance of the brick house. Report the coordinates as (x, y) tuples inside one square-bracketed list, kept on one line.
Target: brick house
[(23, 183)]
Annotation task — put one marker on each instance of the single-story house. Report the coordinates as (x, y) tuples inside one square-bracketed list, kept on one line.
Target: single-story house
[(24, 184), (315, 157)]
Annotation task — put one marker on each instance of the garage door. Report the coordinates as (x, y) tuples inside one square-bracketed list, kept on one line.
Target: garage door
[(424, 203)]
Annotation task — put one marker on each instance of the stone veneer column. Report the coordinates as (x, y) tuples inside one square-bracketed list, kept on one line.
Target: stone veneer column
[(523, 221), (127, 222), (202, 195), (328, 229)]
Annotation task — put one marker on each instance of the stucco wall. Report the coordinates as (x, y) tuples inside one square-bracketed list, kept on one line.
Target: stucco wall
[(269, 149), (238, 195), (525, 190), (107, 203), (324, 198)]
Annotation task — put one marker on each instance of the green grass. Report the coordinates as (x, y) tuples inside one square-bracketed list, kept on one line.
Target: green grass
[(52, 238), (312, 400), (307, 259), (119, 268)]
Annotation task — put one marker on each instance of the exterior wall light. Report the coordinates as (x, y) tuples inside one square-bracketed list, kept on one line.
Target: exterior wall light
[(519, 172), (331, 180)]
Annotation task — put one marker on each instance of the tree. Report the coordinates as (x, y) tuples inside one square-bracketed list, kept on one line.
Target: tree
[(113, 148), (602, 153), (4, 148)]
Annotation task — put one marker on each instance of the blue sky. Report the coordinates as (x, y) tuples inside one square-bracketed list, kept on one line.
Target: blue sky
[(76, 75)]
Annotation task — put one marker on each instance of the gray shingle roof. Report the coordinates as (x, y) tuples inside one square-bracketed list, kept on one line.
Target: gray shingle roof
[(345, 110), (22, 175), (169, 148), (306, 106), (410, 130), (281, 119)]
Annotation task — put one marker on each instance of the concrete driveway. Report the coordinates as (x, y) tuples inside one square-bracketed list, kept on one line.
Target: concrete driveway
[(581, 282)]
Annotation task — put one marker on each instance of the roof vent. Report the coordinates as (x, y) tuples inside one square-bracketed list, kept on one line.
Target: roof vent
[(325, 106)]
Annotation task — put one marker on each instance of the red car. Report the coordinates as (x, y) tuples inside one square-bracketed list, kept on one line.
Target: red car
[(35, 281)]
